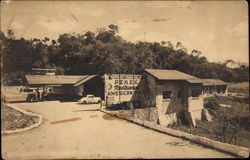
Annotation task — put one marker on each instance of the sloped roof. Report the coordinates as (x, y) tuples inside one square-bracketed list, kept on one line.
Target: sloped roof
[(211, 82), (55, 79), (84, 79), (173, 75)]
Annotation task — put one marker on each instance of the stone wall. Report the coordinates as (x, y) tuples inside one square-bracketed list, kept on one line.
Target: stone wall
[(144, 114)]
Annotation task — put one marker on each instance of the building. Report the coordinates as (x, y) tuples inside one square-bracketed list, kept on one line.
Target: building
[(214, 87), (43, 71), (176, 95), (67, 85)]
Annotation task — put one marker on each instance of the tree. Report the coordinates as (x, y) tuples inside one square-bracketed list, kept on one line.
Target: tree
[(196, 53), (113, 29), (106, 52), (108, 35), (10, 34), (90, 38)]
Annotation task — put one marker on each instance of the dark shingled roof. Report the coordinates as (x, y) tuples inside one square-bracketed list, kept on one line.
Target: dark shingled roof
[(56, 79), (173, 75), (211, 82)]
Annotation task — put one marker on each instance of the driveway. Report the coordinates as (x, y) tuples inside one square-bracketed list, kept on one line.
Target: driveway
[(71, 131)]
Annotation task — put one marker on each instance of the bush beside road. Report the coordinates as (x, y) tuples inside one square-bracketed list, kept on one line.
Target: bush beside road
[(229, 124)]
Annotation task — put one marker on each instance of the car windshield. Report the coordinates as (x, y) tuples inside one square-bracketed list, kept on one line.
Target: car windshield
[(27, 90)]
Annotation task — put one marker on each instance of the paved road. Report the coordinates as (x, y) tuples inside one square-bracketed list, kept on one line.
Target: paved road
[(91, 134)]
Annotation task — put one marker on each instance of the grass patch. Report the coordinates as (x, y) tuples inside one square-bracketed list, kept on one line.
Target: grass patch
[(229, 125), (12, 119)]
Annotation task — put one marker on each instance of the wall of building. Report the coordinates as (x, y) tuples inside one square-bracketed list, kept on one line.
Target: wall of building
[(170, 108), (148, 85), (79, 90), (173, 104), (195, 104), (68, 89), (167, 109)]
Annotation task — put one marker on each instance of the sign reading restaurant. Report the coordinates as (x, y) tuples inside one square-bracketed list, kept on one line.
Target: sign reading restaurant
[(121, 87)]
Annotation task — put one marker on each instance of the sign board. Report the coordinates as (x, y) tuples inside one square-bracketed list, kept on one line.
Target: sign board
[(122, 88)]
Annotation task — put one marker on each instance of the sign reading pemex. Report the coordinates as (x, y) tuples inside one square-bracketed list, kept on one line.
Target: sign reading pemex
[(121, 87)]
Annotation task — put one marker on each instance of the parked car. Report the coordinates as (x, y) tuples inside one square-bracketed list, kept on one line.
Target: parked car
[(30, 94), (90, 99)]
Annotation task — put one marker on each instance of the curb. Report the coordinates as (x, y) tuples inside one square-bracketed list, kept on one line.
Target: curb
[(22, 129), (242, 152)]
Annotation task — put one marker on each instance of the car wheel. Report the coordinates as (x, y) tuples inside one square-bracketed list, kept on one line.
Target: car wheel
[(99, 101), (84, 102), (31, 98)]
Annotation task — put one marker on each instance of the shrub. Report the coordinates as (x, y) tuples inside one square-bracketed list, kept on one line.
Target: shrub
[(212, 103)]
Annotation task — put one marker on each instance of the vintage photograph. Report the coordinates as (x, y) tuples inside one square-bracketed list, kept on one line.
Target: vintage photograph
[(124, 79)]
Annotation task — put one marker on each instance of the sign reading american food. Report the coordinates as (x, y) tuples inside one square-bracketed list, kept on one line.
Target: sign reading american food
[(121, 87)]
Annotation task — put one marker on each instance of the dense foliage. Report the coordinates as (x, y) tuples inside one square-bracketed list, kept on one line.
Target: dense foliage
[(106, 52)]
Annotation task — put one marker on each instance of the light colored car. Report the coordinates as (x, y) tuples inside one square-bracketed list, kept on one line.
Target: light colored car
[(90, 99), (19, 93), (29, 93)]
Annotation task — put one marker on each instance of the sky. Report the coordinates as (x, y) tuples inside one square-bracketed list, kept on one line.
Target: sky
[(219, 29)]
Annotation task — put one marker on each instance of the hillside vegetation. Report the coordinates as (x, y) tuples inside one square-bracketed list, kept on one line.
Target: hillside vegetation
[(106, 52)]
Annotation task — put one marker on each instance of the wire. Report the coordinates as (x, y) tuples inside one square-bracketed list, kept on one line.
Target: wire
[(74, 17), (12, 18), (28, 26)]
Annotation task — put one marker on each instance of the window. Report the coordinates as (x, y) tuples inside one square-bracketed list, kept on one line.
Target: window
[(27, 90), (166, 94), (196, 92)]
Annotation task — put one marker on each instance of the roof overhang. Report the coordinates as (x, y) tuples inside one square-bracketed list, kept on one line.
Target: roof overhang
[(196, 80), (214, 82), (85, 79), (191, 79), (40, 80)]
